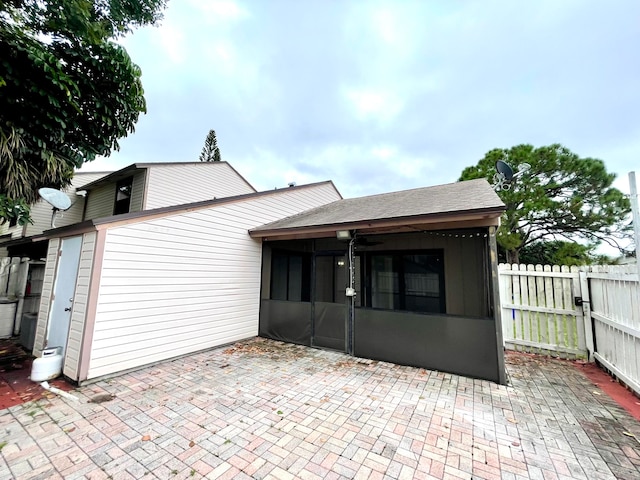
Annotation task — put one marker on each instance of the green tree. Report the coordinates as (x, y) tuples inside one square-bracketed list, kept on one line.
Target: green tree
[(563, 196), (68, 91), (557, 252), (210, 151)]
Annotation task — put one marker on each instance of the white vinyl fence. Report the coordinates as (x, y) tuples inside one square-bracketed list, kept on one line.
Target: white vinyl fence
[(539, 311), (615, 313), (571, 312)]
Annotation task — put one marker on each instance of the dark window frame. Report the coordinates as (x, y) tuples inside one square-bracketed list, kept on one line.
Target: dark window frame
[(366, 276), (305, 277), (123, 205)]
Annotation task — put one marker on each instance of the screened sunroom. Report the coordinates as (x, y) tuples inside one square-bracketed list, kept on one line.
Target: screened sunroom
[(406, 277)]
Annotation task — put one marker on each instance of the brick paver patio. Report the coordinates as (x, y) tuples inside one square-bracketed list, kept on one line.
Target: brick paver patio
[(264, 409)]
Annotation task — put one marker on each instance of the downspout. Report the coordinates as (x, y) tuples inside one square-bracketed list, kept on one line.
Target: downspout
[(57, 391)]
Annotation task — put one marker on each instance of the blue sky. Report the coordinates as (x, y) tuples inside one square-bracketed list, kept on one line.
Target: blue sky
[(385, 95)]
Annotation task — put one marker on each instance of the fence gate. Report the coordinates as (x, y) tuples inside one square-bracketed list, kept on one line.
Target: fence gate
[(542, 310), (615, 295)]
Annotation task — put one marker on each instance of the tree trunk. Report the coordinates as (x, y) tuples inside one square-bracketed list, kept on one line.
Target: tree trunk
[(513, 256)]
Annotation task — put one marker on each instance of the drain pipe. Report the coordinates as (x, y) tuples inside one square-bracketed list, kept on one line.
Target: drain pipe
[(57, 391)]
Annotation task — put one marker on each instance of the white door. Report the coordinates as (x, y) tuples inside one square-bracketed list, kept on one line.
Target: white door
[(63, 292)]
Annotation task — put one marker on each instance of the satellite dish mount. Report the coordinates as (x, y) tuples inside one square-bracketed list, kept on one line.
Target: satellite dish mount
[(57, 199), (505, 175)]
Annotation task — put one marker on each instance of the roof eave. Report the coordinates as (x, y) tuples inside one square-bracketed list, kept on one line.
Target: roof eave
[(117, 175), (438, 221)]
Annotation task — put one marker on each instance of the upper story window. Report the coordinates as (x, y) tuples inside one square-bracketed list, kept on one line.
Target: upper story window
[(123, 196)]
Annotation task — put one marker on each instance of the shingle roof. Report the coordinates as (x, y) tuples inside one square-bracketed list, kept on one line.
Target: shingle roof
[(453, 198)]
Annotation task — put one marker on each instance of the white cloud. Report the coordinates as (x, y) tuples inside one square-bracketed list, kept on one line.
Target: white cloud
[(377, 104), (377, 94), (385, 24), (172, 40), (219, 11), (384, 152)]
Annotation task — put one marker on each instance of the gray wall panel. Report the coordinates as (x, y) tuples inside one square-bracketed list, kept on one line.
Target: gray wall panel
[(286, 321), (330, 325), (465, 346)]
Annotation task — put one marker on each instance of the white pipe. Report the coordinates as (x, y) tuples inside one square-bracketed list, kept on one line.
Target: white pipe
[(62, 393)]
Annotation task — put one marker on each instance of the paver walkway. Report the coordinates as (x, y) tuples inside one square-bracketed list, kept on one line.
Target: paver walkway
[(263, 409)]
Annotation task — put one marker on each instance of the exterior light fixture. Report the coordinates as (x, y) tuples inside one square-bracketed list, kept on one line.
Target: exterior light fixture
[(343, 235)]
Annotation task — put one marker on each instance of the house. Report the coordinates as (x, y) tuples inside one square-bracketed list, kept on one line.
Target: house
[(407, 277), (138, 187), (21, 268), (41, 215), (145, 186), (127, 290)]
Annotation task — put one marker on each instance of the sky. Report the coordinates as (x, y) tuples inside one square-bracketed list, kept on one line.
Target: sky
[(381, 96)]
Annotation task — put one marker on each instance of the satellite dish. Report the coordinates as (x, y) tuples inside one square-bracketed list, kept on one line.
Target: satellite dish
[(522, 168), (57, 199), (504, 169), (505, 175)]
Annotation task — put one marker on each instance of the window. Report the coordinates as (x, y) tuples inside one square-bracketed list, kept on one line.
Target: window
[(411, 281), (291, 276), (123, 196)]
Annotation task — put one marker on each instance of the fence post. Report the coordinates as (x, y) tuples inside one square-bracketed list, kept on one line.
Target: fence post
[(505, 297), (495, 300), (586, 310)]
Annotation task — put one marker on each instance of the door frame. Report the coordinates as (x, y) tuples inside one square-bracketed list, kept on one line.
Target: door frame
[(327, 253), (52, 302)]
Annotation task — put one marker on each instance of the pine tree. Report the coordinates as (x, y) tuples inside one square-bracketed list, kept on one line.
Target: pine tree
[(563, 197), (210, 151)]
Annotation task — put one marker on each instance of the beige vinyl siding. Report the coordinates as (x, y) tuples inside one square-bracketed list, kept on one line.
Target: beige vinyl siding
[(74, 214), (15, 231), (79, 312), (41, 215), (137, 192), (47, 292), (180, 184), (41, 211), (186, 282), (100, 201)]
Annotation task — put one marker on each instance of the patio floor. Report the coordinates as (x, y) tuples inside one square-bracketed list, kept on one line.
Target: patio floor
[(264, 409)]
